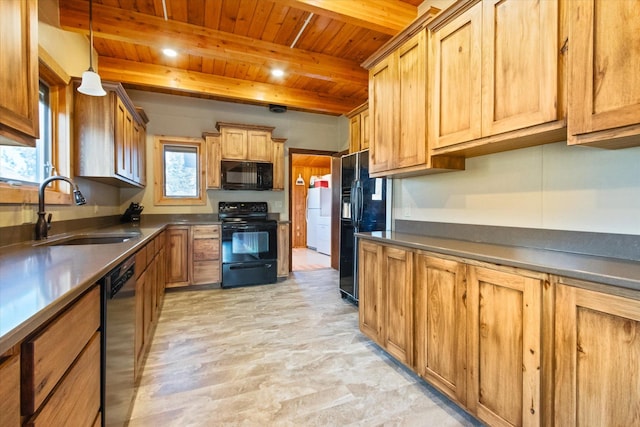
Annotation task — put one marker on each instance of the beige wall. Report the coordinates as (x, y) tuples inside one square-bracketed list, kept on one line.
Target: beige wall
[(551, 186)]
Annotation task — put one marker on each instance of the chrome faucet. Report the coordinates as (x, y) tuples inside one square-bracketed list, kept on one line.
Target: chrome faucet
[(42, 226)]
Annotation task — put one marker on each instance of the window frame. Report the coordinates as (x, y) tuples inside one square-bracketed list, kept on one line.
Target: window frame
[(159, 178), (58, 193)]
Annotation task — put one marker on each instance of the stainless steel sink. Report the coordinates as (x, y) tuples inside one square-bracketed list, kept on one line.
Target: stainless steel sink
[(90, 239)]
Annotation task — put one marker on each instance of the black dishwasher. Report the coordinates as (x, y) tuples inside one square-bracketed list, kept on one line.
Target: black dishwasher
[(118, 345)]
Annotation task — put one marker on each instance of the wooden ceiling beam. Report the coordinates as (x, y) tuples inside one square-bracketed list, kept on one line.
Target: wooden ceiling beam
[(137, 28), (160, 76), (385, 16)]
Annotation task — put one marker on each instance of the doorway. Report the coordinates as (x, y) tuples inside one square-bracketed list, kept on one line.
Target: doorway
[(311, 237)]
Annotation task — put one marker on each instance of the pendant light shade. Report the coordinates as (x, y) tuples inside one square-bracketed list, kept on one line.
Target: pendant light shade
[(91, 83)]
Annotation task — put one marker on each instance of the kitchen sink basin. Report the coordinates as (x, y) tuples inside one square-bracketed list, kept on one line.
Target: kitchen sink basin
[(90, 239)]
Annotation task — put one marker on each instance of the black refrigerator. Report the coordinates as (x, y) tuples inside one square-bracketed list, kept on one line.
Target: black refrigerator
[(363, 208)]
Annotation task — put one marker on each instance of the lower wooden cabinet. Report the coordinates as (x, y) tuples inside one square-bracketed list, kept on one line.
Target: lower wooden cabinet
[(283, 250), (385, 279), (60, 367), (204, 259), (441, 324), (177, 247), (597, 357), (150, 285), (504, 312), (480, 333), (10, 390)]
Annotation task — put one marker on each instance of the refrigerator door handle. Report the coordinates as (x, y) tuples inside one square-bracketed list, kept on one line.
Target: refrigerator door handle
[(352, 201), (360, 202), (306, 209)]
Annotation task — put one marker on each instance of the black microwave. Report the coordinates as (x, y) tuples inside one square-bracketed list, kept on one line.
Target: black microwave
[(243, 175)]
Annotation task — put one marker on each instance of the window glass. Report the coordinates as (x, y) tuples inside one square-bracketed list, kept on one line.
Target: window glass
[(180, 167), (180, 171), (30, 164)]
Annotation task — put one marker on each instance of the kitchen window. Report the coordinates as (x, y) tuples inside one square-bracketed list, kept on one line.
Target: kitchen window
[(23, 168), (180, 169)]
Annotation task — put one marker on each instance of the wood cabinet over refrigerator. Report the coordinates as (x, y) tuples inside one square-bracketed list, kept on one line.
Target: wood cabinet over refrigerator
[(19, 116), (110, 138), (398, 107)]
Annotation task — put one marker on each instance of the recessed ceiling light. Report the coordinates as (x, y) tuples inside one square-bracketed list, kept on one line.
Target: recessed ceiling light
[(170, 52), (276, 72)]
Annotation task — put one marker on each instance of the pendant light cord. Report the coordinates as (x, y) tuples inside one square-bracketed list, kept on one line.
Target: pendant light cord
[(91, 35)]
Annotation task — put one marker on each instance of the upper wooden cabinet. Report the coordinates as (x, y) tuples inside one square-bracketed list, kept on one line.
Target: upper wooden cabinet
[(359, 133), (278, 163), (212, 141), (398, 108), (19, 120), (494, 78), (110, 138), (604, 77), (245, 142)]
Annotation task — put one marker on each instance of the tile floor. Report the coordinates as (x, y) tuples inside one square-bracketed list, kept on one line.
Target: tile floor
[(285, 354)]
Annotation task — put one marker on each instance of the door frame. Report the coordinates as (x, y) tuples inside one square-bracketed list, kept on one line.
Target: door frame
[(291, 152)]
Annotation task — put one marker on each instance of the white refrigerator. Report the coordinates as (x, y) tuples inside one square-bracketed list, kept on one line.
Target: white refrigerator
[(319, 219)]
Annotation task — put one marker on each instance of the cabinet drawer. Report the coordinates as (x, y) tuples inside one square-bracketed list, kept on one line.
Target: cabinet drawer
[(206, 231), (206, 271), (9, 396), (76, 401), (141, 261), (46, 357), (206, 249)]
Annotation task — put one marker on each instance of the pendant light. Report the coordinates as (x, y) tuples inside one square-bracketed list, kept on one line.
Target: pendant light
[(91, 84)]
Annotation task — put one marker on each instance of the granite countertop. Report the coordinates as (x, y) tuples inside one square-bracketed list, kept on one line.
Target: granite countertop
[(609, 271)]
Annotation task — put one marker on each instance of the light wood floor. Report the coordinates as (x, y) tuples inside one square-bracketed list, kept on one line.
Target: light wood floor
[(286, 354), (303, 259)]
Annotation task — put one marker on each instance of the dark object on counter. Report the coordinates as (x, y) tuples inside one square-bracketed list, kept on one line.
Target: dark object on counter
[(42, 225), (249, 244), (363, 208), (132, 214)]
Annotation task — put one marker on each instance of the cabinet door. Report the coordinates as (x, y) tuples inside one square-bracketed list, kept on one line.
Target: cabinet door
[(9, 391), (382, 100), (278, 165), (139, 339), (454, 82), (604, 82), (139, 154), (440, 328), (504, 324), (597, 358), (354, 134), (397, 298), (259, 146), (410, 147), (365, 134), (519, 64), (369, 291), (123, 138), (177, 245), (19, 71), (283, 250), (213, 161), (233, 144)]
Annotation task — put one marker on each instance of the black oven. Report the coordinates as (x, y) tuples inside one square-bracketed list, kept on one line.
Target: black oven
[(249, 244)]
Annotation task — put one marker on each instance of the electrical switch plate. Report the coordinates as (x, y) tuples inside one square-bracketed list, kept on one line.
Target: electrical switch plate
[(406, 211)]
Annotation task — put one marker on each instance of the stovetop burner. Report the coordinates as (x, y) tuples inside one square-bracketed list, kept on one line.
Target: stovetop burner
[(234, 211)]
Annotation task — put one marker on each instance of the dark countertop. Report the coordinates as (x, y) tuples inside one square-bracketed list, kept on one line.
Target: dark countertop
[(609, 271), (36, 282)]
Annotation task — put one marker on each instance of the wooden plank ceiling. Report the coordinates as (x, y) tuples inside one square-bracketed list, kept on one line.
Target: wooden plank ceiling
[(227, 48)]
